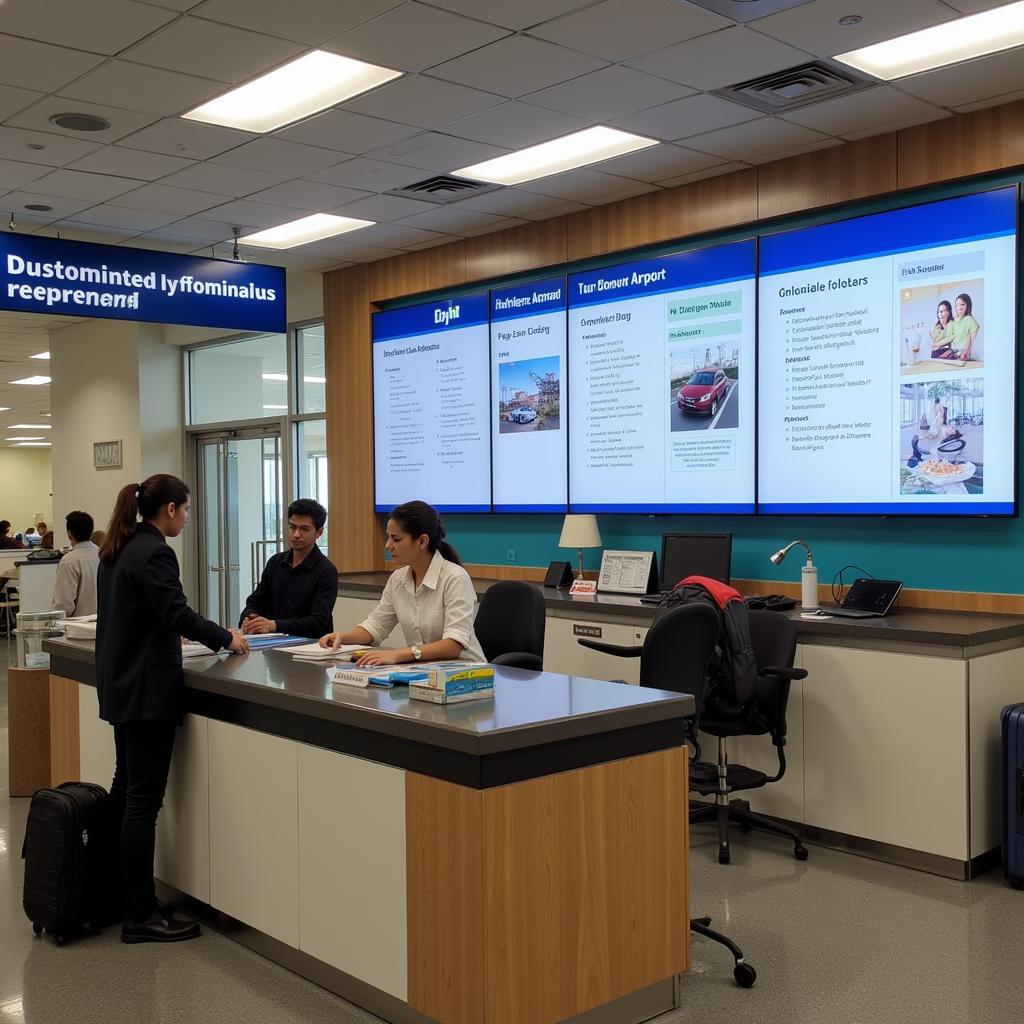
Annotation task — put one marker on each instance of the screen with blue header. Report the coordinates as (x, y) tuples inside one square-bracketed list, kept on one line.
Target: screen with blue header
[(661, 384), (528, 429), (430, 405), (887, 362)]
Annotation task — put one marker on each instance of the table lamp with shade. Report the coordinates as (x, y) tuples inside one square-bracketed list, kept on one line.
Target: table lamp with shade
[(580, 532)]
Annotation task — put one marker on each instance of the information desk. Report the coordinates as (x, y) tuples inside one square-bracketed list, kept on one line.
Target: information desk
[(893, 745), (520, 858)]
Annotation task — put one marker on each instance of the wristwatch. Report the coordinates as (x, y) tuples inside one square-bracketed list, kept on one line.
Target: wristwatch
[(417, 653)]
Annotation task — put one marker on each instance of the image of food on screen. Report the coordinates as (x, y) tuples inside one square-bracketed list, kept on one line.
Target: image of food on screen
[(942, 436), (529, 395), (941, 327), (703, 386)]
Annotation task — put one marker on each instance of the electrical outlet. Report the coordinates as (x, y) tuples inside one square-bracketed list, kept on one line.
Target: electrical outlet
[(510, 555)]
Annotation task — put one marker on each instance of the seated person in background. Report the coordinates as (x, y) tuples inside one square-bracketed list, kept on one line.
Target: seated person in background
[(75, 588), (41, 528), (6, 540), (47, 542), (32, 538), (298, 588), (429, 595), (98, 537)]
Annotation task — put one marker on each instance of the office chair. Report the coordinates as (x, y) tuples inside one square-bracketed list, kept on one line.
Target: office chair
[(773, 636), (510, 625), (674, 656)]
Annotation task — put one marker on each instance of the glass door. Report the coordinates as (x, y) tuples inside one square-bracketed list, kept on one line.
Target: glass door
[(240, 515)]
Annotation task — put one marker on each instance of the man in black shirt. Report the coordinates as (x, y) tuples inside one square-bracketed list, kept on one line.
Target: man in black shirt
[(298, 588)]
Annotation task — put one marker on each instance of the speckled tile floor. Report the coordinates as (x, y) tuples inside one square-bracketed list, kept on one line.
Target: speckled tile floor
[(836, 940)]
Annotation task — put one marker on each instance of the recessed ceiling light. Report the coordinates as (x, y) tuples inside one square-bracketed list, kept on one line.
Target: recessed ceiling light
[(80, 122), (38, 207), (276, 408), (5, 408), (313, 228), (30, 426), (32, 444), (31, 380), (952, 42), (850, 19), (40, 355), (34, 145), (577, 150), (40, 438), (302, 87)]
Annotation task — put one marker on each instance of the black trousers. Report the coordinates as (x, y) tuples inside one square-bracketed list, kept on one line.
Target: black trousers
[(140, 780)]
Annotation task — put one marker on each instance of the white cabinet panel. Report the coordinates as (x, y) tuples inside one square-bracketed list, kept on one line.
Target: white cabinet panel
[(352, 880), (885, 747), (95, 740), (563, 654), (254, 835)]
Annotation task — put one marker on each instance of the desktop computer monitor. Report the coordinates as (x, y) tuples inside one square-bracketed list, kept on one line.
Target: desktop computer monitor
[(695, 554)]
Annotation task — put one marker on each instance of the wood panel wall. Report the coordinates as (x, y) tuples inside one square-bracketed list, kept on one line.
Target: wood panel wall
[(947, 150)]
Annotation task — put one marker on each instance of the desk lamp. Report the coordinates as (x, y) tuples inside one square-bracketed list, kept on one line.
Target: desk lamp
[(808, 574), (580, 532)]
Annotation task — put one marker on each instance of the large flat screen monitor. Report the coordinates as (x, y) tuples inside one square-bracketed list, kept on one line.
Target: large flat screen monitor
[(695, 554), (528, 427), (887, 362), (431, 423), (661, 384)]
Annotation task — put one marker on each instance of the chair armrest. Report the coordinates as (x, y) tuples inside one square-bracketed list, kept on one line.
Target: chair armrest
[(782, 673), (614, 649), (520, 659)]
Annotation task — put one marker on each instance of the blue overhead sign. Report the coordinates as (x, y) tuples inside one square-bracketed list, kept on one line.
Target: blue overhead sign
[(52, 276)]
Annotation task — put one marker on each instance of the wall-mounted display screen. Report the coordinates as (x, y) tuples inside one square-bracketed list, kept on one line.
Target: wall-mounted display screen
[(528, 427), (431, 420), (661, 384), (887, 362)]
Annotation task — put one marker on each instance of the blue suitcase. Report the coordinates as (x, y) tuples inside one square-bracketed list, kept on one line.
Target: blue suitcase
[(1013, 794)]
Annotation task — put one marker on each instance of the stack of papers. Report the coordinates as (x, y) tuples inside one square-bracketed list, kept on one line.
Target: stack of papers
[(314, 652), (194, 649)]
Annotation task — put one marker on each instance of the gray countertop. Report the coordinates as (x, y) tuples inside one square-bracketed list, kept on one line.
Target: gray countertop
[(955, 629)]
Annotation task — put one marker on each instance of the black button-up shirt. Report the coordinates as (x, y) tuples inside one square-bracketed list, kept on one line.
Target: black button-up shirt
[(301, 599)]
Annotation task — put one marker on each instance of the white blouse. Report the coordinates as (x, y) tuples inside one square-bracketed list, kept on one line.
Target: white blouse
[(442, 607)]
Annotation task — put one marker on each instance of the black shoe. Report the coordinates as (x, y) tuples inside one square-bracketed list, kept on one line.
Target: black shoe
[(175, 914), (158, 928)]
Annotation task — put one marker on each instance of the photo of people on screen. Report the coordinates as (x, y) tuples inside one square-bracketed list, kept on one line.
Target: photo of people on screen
[(941, 327), (957, 342)]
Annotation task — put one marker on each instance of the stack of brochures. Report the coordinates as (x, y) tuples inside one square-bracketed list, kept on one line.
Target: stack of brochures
[(314, 652), (449, 682)]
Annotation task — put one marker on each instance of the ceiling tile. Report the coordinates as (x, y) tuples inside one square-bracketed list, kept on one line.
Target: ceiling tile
[(436, 240), (81, 185), (619, 29), (983, 104), (767, 138), (15, 174), (432, 151), (397, 236), (870, 108), (709, 172), (451, 220), (383, 208), (186, 138), (136, 87), (33, 65), (124, 218), (580, 185), (226, 181), (634, 188), (658, 162), (722, 58), (347, 132), (53, 151), (312, 196), (967, 83), (205, 48), (63, 206), (517, 65), (488, 229), (680, 118), (610, 92), (519, 15), (103, 26), (895, 126), (276, 156), (245, 211), (198, 230), (71, 230), (370, 175), (151, 241), (122, 122), (414, 37), (311, 21), (509, 202), (815, 26), (163, 198), (516, 125), (12, 100), (347, 247), (130, 163), (974, 6), (423, 101)]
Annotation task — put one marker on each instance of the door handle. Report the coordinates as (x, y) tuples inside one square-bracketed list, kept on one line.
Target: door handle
[(214, 568)]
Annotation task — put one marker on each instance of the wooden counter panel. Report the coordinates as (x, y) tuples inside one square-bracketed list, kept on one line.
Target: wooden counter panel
[(28, 735), (65, 758)]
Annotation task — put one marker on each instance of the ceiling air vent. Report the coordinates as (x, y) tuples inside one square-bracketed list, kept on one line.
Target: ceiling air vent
[(787, 90), (443, 188)]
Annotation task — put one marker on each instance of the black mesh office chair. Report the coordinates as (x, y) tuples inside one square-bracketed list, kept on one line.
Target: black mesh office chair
[(510, 625), (774, 640)]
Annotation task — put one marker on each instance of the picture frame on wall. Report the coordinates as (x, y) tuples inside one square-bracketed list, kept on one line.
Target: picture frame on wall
[(106, 454)]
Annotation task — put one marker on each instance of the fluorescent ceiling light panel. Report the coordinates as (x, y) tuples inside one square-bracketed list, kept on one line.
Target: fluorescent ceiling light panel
[(40, 355), (297, 89), (589, 146), (5, 408), (40, 438), (32, 444), (313, 228), (952, 42), (31, 380), (31, 426)]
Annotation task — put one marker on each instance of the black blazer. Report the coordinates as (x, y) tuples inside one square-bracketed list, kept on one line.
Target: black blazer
[(142, 614)]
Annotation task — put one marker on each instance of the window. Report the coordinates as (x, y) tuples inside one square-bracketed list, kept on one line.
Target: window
[(311, 464), (239, 380), (312, 372)]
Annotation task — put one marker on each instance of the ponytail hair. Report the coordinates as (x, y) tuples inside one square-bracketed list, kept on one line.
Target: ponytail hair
[(139, 500), (417, 518)]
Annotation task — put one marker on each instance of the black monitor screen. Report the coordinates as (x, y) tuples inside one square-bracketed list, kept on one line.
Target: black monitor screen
[(695, 554)]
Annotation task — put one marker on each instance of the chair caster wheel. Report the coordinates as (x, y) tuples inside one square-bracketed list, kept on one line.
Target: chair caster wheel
[(800, 853), (724, 857), (37, 929), (745, 975)]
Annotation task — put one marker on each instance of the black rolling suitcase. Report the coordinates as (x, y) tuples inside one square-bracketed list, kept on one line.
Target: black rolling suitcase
[(71, 865), (1013, 794)]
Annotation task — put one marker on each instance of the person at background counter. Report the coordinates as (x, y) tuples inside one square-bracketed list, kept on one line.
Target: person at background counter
[(429, 595), (298, 588)]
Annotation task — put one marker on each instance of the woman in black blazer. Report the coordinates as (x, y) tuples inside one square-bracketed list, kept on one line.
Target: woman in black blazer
[(142, 614)]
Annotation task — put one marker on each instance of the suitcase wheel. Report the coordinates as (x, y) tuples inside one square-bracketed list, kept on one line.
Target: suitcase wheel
[(1017, 882), (37, 928)]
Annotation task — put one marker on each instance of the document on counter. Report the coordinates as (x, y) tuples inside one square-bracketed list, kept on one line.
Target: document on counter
[(315, 652)]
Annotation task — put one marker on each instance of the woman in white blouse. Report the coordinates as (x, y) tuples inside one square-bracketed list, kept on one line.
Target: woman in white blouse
[(429, 595)]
